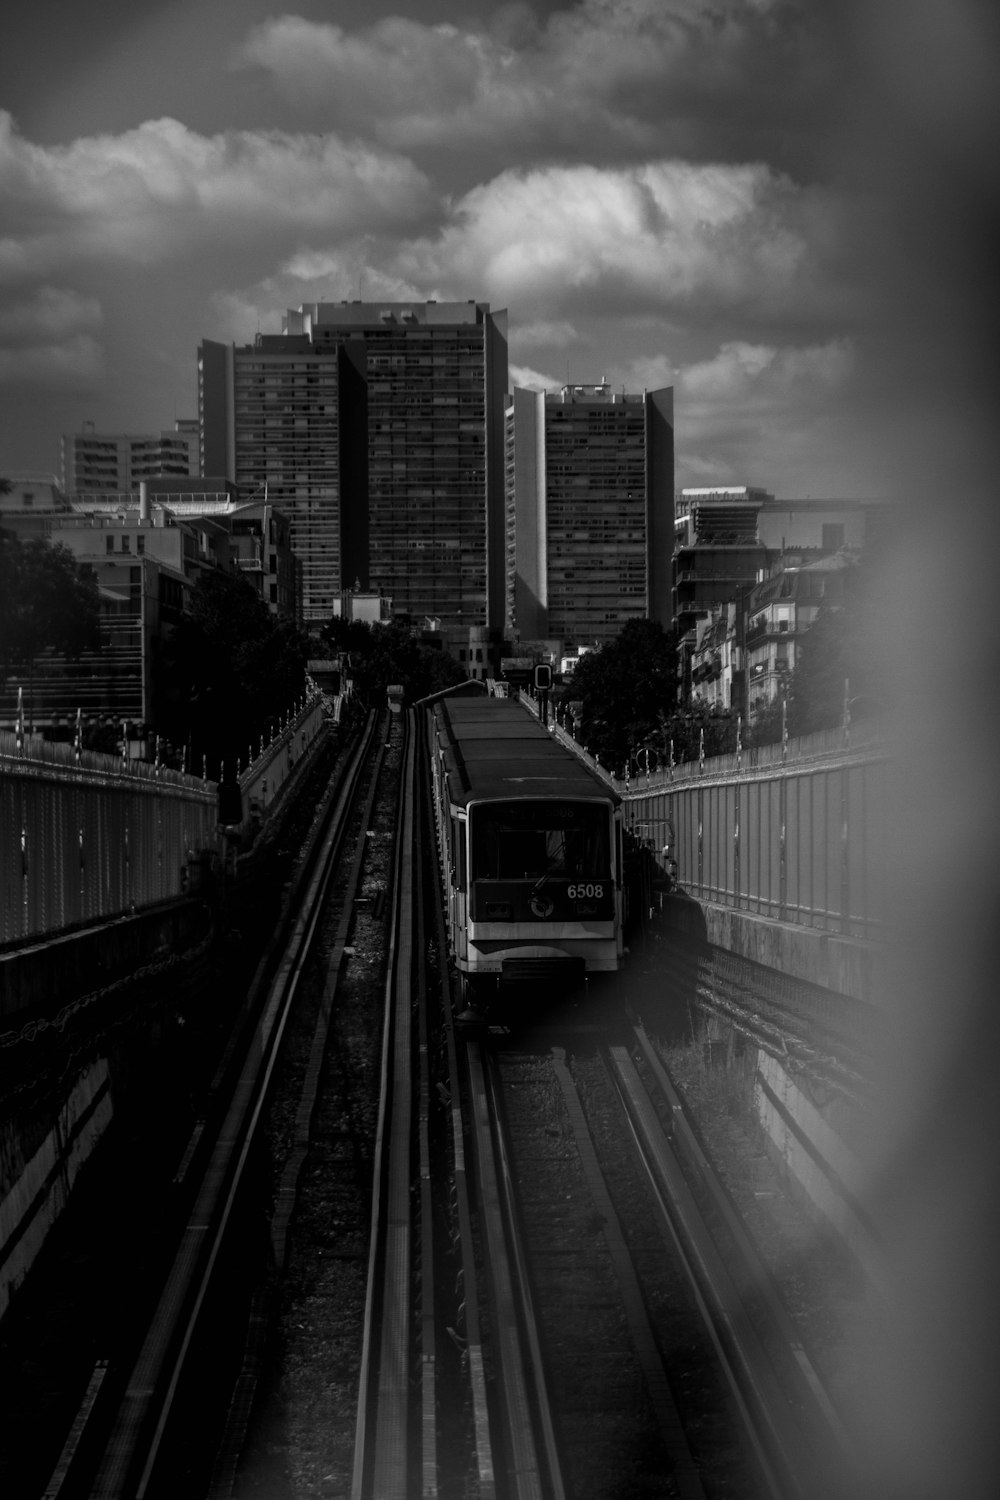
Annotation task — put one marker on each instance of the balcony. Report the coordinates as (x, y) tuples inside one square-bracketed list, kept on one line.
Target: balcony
[(763, 627)]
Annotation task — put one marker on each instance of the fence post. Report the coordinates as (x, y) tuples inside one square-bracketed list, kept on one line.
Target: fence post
[(845, 868), (701, 836), (736, 843), (25, 906), (782, 851)]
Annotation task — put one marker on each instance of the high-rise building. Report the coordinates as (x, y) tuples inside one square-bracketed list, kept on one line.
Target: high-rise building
[(269, 417), (377, 428), (589, 511), (110, 463)]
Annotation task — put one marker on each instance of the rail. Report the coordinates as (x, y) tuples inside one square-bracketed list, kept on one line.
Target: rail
[(138, 1445)]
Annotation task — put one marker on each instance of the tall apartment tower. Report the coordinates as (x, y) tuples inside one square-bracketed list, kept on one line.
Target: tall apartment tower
[(113, 463), (378, 429), (589, 511)]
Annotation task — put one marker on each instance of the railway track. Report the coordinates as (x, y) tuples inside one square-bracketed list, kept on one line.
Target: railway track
[(451, 1386), (672, 1367), (614, 1327), (498, 1264), (139, 1431)]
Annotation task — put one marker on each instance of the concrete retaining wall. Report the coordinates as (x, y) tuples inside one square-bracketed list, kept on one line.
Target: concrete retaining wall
[(822, 1168), (40, 976), (41, 1190), (848, 966)]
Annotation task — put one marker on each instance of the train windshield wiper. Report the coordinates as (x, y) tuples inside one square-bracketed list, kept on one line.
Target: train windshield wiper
[(557, 859)]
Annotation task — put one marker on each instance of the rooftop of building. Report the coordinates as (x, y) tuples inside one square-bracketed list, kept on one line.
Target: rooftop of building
[(804, 581), (358, 314), (183, 427), (601, 394), (726, 494)]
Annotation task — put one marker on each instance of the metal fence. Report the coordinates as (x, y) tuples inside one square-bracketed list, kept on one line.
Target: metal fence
[(802, 840), (796, 832), (85, 837)]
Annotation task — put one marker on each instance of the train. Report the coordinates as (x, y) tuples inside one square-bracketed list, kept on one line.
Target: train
[(530, 841)]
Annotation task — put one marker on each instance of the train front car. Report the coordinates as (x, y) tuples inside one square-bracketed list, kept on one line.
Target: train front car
[(534, 854)]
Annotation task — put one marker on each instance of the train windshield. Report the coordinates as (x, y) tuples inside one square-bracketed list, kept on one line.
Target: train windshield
[(531, 840)]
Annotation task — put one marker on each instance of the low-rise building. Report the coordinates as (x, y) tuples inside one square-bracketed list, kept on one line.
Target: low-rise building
[(716, 659), (29, 502), (114, 462), (260, 534), (145, 562), (779, 612)]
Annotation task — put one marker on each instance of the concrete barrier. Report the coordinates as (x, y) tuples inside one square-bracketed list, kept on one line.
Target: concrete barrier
[(41, 1189), (849, 966), (821, 1167), (35, 978)]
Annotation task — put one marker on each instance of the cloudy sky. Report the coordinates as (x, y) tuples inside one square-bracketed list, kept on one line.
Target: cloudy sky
[(659, 191)]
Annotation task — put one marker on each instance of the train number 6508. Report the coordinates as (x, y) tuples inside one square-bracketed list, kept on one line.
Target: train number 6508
[(578, 892)]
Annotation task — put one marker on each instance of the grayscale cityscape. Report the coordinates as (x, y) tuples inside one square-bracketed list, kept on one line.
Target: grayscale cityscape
[(498, 732)]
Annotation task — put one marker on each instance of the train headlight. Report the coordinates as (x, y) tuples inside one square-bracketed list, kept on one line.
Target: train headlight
[(498, 911)]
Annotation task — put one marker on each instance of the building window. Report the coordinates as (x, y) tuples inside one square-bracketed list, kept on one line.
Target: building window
[(140, 544), (109, 544), (833, 537)]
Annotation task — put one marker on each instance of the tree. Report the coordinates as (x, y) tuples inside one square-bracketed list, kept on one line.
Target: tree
[(625, 688), (47, 603), (696, 725), (834, 650), (384, 654), (230, 670)]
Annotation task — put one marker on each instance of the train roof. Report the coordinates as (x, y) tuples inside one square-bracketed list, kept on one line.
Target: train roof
[(502, 729), (506, 753), (486, 710)]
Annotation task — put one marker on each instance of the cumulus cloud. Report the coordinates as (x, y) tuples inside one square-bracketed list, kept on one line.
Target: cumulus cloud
[(762, 372), (154, 190), (763, 414), (540, 333), (664, 235), (74, 363), (51, 312), (527, 379), (598, 78), (48, 339), (707, 243), (307, 276)]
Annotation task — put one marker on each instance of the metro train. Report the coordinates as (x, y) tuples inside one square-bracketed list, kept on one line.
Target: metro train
[(531, 848)]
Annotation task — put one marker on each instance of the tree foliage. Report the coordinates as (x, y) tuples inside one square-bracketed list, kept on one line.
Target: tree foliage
[(833, 654), (625, 688), (231, 670), (384, 654), (47, 602), (696, 727)]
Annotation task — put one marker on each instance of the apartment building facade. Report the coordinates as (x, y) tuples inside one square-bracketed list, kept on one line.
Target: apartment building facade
[(589, 511), (115, 462), (377, 428)]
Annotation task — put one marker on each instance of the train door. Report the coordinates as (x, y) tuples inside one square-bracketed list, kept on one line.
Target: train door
[(459, 887), (619, 881)]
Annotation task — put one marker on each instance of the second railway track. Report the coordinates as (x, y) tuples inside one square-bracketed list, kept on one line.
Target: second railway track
[(471, 1263)]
